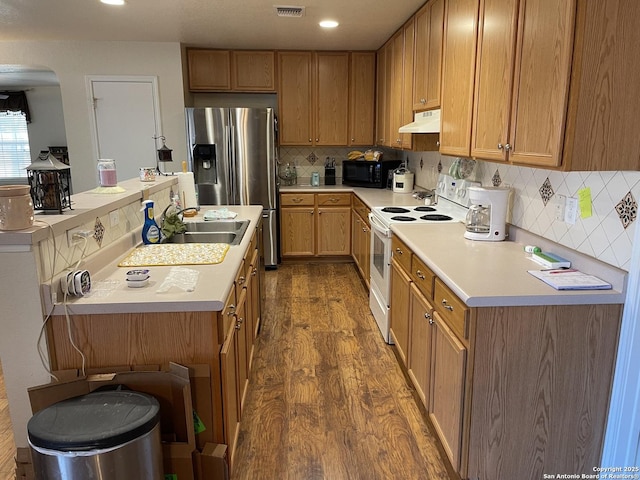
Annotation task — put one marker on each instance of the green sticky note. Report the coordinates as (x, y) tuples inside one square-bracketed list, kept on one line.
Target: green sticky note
[(170, 476), (198, 426), (584, 202)]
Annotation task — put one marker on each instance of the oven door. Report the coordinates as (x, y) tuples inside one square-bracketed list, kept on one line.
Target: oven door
[(380, 257)]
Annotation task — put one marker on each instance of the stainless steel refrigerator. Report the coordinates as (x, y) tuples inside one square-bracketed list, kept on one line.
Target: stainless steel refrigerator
[(233, 155)]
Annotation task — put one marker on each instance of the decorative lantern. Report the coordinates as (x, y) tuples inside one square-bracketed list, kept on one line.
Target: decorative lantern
[(164, 154), (50, 182)]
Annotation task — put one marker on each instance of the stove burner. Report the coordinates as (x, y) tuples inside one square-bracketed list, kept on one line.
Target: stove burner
[(424, 209), (403, 218), (395, 210), (436, 217)]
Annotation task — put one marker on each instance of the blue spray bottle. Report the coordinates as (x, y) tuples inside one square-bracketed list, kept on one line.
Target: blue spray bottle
[(150, 230)]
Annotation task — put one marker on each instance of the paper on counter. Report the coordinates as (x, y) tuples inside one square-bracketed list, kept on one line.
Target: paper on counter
[(182, 278), (220, 214)]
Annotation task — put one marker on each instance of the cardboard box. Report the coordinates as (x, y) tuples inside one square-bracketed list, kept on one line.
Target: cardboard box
[(213, 462), (178, 461), (200, 377)]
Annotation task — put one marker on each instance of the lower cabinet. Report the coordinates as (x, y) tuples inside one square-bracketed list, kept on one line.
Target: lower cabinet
[(511, 391), (361, 238)]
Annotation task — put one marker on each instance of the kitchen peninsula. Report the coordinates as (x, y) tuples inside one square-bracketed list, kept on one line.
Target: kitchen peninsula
[(211, 328)]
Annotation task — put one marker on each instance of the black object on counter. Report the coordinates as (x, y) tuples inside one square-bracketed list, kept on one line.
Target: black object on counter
[(329, 175)]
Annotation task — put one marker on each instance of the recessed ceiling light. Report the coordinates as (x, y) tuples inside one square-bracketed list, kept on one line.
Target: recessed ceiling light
[(113, 2), (329, 24)]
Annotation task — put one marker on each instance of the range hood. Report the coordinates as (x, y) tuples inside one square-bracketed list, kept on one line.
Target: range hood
[(423, 122)]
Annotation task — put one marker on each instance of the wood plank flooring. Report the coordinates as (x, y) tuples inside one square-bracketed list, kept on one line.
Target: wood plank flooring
[(7, 447), (327, 399)]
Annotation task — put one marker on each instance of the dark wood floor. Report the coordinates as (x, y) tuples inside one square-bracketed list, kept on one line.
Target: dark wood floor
[(327, 399), (7, 447)]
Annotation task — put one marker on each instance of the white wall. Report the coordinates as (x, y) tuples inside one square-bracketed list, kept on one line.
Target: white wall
[(72, 61)]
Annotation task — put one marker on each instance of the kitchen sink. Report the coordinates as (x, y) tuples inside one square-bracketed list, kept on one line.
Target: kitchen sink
[(217, 231)]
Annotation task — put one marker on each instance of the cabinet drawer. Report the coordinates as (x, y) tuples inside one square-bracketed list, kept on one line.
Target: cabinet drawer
[(453, 310), (296, 199), (361, 209), (330, 199), (401, 253), (226, 316), (422, 276), (241, 278)]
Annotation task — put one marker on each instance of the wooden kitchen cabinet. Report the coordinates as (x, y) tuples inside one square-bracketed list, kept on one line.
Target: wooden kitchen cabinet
[(361, 238), (362, 84), (314, 98), (458, 67), (318, 225), (400, 309), (382, 92), (428, 55), (231, 70), (406, 115), (420, 335)]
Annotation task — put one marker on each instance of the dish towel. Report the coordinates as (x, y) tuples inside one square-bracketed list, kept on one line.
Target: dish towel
[(221, 214)]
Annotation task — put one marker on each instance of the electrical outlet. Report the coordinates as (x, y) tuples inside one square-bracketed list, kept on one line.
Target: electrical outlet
[(560, 201), (78, 232), (571, 211), (114, 218)]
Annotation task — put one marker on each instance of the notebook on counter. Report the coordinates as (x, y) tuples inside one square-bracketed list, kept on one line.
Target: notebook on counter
[(569, 279)]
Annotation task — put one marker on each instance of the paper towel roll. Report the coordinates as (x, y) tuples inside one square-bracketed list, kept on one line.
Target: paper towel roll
[(187, 190)]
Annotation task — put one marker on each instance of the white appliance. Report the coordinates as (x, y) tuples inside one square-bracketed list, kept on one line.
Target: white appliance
[(487, 216), (423, 122), (381, 219)]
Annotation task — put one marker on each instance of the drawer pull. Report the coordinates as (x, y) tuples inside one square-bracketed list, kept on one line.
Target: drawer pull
[(420, 275), (446, 305), (398, 251), (231, 310), (428, 316), (238, 326), (296, 200), (253, 272), (241, 280), (334, 200)]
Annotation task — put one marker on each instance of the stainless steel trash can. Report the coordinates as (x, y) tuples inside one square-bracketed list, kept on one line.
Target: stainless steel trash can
[(103, 435)]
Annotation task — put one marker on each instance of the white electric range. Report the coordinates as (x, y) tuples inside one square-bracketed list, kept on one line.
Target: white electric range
[(452, 206)]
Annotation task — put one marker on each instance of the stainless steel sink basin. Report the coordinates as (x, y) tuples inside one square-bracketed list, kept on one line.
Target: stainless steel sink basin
[(216, 231)]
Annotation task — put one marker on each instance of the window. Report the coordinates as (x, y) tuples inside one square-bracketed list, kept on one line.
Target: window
[(15, 155)]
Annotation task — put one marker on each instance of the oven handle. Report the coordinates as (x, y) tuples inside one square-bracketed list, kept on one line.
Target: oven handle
[(377, 226)]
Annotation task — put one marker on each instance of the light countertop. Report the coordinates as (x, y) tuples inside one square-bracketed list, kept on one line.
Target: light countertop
[(372, 197), (111, 295), (487, 274)]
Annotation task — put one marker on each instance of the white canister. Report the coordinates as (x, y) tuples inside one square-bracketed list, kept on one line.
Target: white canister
[(16, 207), (403, 182), (147, 174)]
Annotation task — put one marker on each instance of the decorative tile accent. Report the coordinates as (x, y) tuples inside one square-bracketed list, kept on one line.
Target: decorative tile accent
[(421, 163), (440, 166), (546, 191), (98, 231), (312, 158), (627, 209), (496, 180)]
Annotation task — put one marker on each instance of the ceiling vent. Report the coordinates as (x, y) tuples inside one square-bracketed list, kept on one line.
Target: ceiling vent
[(289, 11)]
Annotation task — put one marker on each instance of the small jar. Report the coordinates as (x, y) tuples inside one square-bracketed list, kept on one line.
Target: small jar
[(147, 174), (16, 207), (107, 176)]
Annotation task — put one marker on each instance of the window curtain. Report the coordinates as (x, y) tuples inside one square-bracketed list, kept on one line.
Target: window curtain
[(15, 102)]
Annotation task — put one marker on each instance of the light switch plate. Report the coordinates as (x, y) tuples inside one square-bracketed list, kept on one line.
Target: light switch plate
[(114, 218), (571, 211), (560, 201)]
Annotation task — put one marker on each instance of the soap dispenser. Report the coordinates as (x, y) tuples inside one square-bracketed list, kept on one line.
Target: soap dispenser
[(150, 230)]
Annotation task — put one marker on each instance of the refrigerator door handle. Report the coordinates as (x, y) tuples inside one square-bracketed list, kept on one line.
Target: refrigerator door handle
[(232, 162)]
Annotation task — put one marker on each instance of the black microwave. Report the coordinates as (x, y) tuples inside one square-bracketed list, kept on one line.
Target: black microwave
[(364, 173)]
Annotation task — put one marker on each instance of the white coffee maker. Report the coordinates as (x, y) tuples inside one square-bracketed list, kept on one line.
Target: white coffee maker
[(487, 215)]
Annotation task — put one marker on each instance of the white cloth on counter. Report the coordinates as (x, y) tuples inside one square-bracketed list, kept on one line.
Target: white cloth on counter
[(220, 214), (183, 278)]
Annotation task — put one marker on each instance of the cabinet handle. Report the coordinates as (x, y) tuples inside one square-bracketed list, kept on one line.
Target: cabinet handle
[(254, 272), (399, 252), (238, 326), (231, 310), (438, 143), (500, 146), (334, 199), (317, 139), (311, 212), (446, 305), (507, 147), (364, 229), (420, 275), (353, 139), (241, 280), (423, 101), (240, 320), (296, 200), (310, 140), (428, 316)]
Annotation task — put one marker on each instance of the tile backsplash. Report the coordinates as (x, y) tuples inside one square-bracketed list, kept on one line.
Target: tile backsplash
[(606, 234)]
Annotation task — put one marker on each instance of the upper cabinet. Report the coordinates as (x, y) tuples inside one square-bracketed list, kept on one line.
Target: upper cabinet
[(231, 71), (542, 83), (326, 98), (428, 56)]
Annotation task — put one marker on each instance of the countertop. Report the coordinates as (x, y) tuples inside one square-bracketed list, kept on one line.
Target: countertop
[(111, 295), (372, 197), (490, 274)]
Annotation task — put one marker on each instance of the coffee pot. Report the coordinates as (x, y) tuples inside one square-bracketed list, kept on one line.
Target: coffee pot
[(487, 216)]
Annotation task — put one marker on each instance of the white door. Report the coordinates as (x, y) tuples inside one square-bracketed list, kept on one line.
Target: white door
[(126, 118)]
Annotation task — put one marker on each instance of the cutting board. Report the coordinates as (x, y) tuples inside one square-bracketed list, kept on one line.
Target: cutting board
[(176, 254)]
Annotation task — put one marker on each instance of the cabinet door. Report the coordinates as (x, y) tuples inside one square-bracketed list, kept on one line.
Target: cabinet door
[(331, 104), (362, 98), (209, 70), (409, 33), (297, 231), (541, 82), (294, 97), (458, 66), (493, 83), (399, 313), (382, 115), (395, 92), (449, 359), (252, 307), (334, 231), (434, 62), (419, 364), (231, 411), (253, 71), (242, 352)]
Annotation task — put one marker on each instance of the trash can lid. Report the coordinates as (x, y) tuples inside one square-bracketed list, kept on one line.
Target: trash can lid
[(97, 420)]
